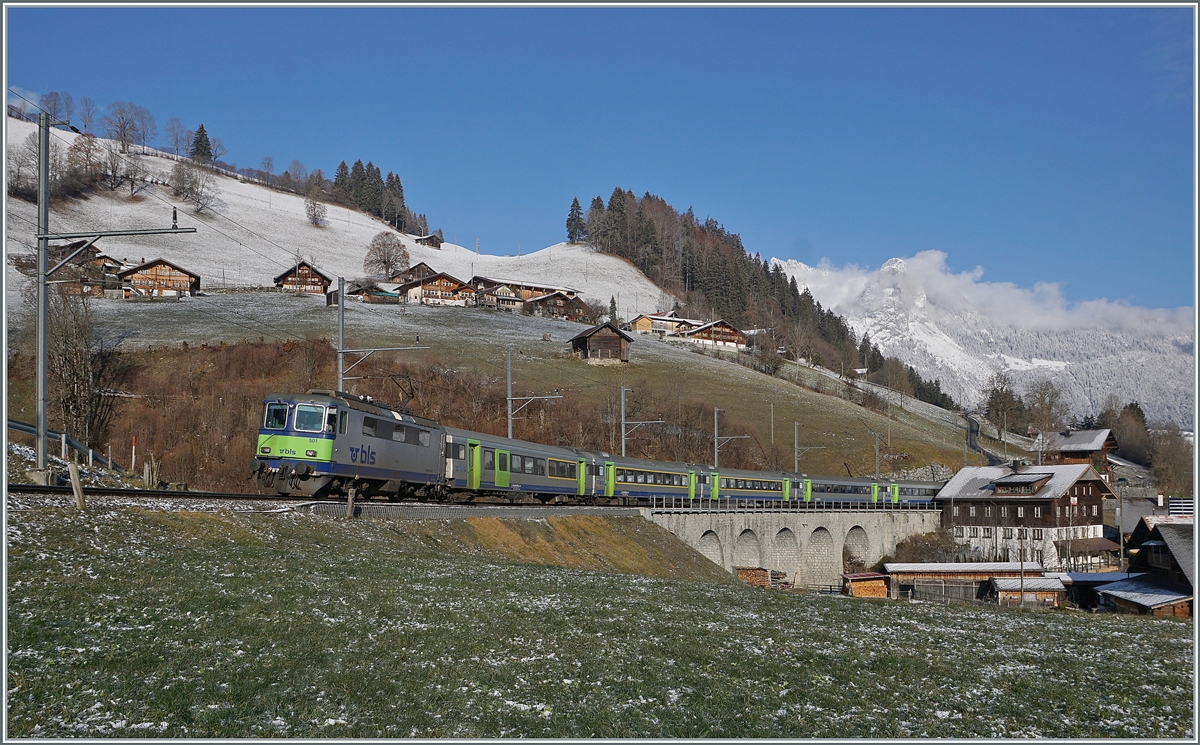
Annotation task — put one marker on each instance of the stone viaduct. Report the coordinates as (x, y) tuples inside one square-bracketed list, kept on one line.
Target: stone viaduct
[(805, 544)]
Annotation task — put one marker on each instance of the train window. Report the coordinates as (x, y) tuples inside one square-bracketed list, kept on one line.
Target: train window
[(342, 417), (516, 464), (502, 461), (460, 451), (309, 417), (399, 433), (741, 484), (539, 467), (276, 416), (489, 459), (641, 477), (572, 470), (423, 438), (370, 426), (331, 420)]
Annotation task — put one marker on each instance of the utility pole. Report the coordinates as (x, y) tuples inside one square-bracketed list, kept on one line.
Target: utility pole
[(796, 447), (527, 399), (624, 424), (772, 425), (43, 259), (718, 441), (341, 351)]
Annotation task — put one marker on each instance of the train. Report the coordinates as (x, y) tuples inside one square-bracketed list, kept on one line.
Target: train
[(326, 443)]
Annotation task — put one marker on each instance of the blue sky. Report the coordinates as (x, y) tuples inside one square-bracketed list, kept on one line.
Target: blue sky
[(1051, 145)]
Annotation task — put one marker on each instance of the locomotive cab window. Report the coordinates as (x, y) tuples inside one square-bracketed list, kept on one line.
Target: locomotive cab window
[(331, 420), (309, 417), (276, 417)]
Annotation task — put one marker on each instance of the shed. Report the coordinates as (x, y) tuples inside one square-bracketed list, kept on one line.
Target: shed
[(1081, 586), (558, 305), (865, 585), (159, 278), (303, 277), (969, 580), (1043, 592), (1148, 595), (433, 241), (602, 344)]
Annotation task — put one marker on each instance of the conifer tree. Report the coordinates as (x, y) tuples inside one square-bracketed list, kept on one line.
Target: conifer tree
[(201, 149), (612, 309), (576, 227), (341, 180)]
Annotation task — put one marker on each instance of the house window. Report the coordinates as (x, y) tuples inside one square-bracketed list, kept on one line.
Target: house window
[(1093, 510), (956, 510), (1004, 510), (1058, 511), (987, 510), (958, 532), (1037, 534), (1008, 532), (1022, 533), (974, 532), (972, 510), (1020, 512), (987, 532), (1037, 511)]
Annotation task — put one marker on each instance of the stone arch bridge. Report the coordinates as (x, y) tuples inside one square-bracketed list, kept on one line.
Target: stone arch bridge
[(806, 544)]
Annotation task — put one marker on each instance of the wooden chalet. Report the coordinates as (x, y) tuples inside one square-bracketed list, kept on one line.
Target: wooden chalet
[(436, 289), (603, 344), (303, 278), (716, 334), (433, 241), (558, 305), (419, 271), (663, 323), (1053, 515), (498, 297), (865, 585), (158, 278), (524, 290), (1166, 585), (1091, 446)]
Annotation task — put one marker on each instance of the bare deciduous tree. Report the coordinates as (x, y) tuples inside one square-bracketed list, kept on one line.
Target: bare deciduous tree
[(51, 103), (121, 123), (178, 136), (218, 149), (87, 112), (68, 104), (84, 156), (114, 165), (147, 128), (297, 171), (267, 166), (314, 210), (386, 255), (195, 185)]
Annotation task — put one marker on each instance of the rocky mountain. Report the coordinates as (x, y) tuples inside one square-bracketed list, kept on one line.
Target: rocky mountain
[(961, 330)]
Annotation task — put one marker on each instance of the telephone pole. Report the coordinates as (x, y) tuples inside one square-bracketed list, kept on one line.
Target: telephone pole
[(527, 399), (718, 441), (624, 432)]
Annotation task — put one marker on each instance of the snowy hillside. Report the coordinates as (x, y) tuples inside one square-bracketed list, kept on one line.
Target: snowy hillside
[(961, 330), (256, 233)]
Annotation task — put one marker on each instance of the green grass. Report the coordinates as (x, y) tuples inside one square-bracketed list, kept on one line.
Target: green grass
[(128, 623)]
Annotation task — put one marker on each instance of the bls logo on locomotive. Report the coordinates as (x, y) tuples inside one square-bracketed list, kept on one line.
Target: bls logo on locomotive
[(364, 455)]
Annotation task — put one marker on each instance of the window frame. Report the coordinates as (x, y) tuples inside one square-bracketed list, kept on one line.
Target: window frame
[(307, 408), (275, 406)]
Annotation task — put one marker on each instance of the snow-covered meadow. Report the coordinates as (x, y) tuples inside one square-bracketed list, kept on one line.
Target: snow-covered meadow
[(135, 622)]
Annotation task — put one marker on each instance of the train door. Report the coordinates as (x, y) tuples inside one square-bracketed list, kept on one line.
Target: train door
[(807, 490), (894, 491), (473, 469), (502, 468), (715, 488), (581, 485), (874, 492), (610, 478), (691, 484), (787, 489)]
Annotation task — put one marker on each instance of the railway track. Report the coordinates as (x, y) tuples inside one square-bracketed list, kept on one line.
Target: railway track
[(105, 491)]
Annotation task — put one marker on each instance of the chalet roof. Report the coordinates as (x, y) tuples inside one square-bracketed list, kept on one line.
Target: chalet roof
[(1133, 509), (973, 567), (519, 283), (548, 296), (594, 329), (1073, 441), (978, 482), (176, 267), (671, 317), (428, 278), (1146, 590), (1181, 543), (1031, 584), (295, 267), (698, 329)]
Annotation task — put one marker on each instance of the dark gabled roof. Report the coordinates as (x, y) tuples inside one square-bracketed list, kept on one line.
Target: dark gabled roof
[(1147, 591), (594, 329), (430, 278), (295, 267), (1181, 543), (131, 270), (1074, 441)]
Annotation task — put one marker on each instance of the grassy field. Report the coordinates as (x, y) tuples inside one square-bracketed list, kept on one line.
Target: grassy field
[(136, 623)]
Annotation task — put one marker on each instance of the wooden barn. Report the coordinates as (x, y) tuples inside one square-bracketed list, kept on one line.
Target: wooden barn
[(159, 278), (973, 579), (603, 344), (558, 305), (433, 241), (663, 324), (436, 289), (1040, 592), (304, 278), (524, 290)]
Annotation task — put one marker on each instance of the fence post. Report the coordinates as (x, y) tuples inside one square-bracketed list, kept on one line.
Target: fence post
[(350, 502), (63, 438), (73, 469)]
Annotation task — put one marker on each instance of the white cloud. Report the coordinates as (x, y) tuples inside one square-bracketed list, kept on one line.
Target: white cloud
[(924, 281), (18, 96)]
